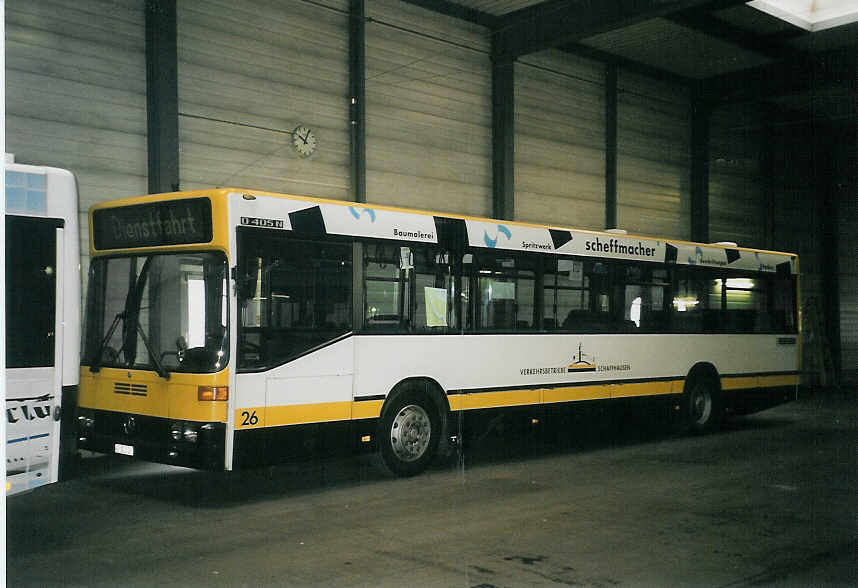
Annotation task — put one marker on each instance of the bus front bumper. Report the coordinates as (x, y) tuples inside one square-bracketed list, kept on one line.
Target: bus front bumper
[(189, 444)]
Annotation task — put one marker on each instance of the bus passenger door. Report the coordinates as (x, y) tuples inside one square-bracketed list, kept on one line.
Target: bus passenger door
[(34, 322)]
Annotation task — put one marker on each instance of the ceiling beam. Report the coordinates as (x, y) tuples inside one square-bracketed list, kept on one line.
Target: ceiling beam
[(465, 13), (712, 26), (812, 72), (786, 35), (559, 22), (627, 64)]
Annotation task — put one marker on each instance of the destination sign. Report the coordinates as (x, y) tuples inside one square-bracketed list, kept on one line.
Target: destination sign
[(174, 222)]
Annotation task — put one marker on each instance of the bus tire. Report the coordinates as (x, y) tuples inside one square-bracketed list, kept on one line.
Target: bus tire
[(704, 409), (409, 431)]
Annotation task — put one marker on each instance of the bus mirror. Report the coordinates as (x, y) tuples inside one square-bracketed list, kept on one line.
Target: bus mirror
[(245, 287), (406, 258)]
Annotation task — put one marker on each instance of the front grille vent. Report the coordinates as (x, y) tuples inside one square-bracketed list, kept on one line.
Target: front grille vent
[(129, 389)]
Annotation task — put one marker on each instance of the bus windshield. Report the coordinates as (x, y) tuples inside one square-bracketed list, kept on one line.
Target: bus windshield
[(166, 312)]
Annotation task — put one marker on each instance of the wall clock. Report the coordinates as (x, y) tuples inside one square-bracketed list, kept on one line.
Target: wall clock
[(304, 141)]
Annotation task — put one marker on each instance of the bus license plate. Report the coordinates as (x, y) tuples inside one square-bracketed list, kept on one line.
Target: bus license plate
[(123, 449)]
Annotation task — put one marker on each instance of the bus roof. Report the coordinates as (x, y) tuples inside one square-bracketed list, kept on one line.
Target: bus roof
[(517, 235)]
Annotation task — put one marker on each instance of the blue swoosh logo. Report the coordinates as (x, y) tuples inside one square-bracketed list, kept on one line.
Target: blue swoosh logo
[(357, 214), (493, 242), (698, 254)]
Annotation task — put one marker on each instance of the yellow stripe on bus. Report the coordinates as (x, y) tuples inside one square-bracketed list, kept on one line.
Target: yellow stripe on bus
[(738, 383), (572, 393), (748, 382), (366, 409), (641, 389), (298, 414), (780, 380), (500, 399)]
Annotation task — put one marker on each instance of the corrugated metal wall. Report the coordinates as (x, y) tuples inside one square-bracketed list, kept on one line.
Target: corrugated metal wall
[(560, 140), (653, 157), (737, 206), (847, 248), (76, 94), (798, 220), (249, 73), (844, 168), (428, 110)]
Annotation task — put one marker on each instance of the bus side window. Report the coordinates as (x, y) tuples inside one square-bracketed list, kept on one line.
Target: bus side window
[(296, 296), (782, 305), (435, 296), (506, 287), (414, 296), (566, 290), (688, 302), (592, 310), (744, 304), (645, 291), (387, 289)]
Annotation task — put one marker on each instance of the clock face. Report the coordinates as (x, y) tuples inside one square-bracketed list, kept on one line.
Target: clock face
[(304, 141)]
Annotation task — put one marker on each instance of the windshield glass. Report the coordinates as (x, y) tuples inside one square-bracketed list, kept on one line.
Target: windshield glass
[(164, 312)]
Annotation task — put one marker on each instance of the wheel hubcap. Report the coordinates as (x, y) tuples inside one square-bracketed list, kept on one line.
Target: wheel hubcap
[(701, 404), (410, 433)]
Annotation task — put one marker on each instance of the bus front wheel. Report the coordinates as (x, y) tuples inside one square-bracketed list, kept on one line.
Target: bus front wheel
[(703, 407), (409, 432)]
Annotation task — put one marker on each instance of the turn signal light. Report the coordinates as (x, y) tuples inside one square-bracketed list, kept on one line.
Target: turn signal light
[(213, 393)]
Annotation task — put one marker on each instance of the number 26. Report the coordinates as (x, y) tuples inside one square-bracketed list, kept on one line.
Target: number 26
[(249, 418)]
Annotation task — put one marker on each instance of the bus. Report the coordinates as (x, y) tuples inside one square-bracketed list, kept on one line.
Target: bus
[(229, 327), (42, 324)]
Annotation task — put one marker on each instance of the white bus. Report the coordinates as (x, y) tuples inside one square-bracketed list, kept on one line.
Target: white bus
[(42, 322), (228, 327)]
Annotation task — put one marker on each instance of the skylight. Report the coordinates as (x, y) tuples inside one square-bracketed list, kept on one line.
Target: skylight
[(812, 15)]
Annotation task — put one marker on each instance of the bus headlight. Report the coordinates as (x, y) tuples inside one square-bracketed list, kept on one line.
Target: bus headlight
[(176, 431), (191, 432), (85, 422)]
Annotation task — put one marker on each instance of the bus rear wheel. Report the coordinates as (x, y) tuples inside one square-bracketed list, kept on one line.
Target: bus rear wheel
[(703, 407), (410, 429)]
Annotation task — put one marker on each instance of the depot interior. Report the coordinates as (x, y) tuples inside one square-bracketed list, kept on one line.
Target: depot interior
[(707, 120)]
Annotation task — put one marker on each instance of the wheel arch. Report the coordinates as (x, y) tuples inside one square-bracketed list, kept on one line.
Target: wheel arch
[(424, 385), (702, 369)]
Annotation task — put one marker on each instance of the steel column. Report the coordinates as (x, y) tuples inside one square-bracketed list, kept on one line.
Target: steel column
[(831, 182), (162, 96), (767, 173), (503, 137), (611, 146), (357, 97), (700, 115)]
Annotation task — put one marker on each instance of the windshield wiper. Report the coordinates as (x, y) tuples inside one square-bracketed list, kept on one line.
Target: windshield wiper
[(159, 367), (96, 362), (129, 316)]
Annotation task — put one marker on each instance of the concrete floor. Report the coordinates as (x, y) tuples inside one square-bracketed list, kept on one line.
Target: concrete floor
[(771, 500)]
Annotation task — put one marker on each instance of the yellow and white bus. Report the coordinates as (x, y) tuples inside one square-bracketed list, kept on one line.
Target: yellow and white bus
[(227, 327)]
